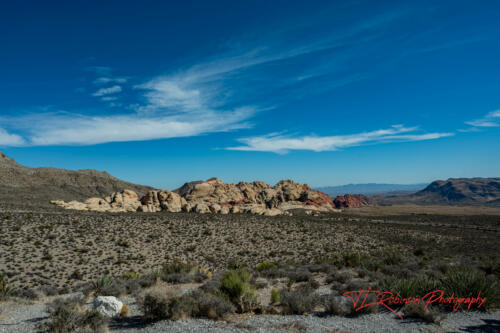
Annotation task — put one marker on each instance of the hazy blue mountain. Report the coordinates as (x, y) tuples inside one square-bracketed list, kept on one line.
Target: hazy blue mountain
[(371, 188)]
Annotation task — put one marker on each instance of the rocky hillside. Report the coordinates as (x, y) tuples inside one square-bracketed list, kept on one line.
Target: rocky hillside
[(462, 191), (20, 184), (454, 191), (213, 196), (351, 201)]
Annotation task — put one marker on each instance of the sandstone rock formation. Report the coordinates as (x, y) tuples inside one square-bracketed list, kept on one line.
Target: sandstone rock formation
[(213, 196), (351, 201)]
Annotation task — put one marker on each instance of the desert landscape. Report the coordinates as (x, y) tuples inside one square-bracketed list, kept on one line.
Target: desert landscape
[(249, 166), (142, 250)]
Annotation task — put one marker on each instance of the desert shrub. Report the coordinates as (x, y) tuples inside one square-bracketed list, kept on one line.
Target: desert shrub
[(158, 306), (212, 286), (27, 293), (465, 282), (298, 301), (391, 256), (68, 316), (236, 264), (419, 311), (212, 306), (131, 286), (413, 287), (338, 305), (49, 290), (178, 278), (265, 265), (299, 275), (275, 296), (195, 304), (371, 264), (116, 288), (341, 277), (236, 286), (200, 277), (178, 267), (5, 289), (147, 280), (351, 259), (490, 266)]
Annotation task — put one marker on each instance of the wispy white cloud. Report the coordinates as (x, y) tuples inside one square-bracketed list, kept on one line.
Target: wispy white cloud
[(492, 119), (7, 139), (107, 91), (63, 128), (107, 80), (109, 98), (282, 144)]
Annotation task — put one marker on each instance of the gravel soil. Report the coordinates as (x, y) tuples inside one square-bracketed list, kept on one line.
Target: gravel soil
[(24, 317)]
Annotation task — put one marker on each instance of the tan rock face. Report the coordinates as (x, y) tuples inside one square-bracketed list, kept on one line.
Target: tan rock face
[(213, 196)]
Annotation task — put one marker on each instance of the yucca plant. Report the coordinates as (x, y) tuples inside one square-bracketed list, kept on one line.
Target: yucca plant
[(5, 289), (101, 283)]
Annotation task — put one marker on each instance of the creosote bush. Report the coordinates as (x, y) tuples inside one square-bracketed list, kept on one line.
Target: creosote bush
[(265, 265), (418, 310), (69, 316), (236, 287), (299, 301), (161, 306), (275, 296)]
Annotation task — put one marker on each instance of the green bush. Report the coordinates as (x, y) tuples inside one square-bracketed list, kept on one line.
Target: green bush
[(236, 286), (351, 259), (264, 266), (275, 296)]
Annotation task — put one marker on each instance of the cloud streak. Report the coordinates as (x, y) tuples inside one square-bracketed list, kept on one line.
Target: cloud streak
[(107, 91), (7, 139), (281, 144), (64, 128), (106, 80), (492, 119)]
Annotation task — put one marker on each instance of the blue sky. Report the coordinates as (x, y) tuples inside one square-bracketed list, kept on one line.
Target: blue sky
[(322, 92)]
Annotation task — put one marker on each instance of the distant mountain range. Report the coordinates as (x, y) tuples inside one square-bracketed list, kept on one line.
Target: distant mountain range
[(371, 189), (37, 186)]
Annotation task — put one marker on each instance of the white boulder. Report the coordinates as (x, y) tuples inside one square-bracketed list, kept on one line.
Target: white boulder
[(108, 306)]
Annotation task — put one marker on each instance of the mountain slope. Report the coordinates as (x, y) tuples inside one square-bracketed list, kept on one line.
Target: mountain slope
[(462, 190), (453, 191), (40, 185)]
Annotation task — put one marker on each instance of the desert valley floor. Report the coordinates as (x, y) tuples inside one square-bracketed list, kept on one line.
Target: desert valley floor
[(62, 249)]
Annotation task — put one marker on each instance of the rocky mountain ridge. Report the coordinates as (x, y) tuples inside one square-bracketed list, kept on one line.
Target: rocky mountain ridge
[(214, 196), (36, 186)]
